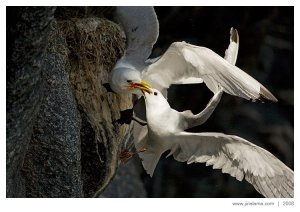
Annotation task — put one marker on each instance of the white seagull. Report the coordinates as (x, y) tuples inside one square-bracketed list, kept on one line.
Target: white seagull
[(140, 130), (234, 155), (181, 63)]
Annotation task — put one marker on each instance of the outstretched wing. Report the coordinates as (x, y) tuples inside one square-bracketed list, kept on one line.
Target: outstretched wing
[(190, 120), (141, 28), (184, 60), (237, 157)]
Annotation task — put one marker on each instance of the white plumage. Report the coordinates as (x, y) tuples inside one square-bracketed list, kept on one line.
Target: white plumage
[(181, 63), (234, 155), (186, 63)]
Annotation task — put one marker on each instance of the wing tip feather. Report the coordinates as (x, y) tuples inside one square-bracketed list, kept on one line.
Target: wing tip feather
[(234, 35), (266, 96)]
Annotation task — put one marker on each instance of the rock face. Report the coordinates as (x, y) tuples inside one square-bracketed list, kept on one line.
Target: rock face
[(26, 41), (62, 138), (52, 165), (127, 182), (91, 42)]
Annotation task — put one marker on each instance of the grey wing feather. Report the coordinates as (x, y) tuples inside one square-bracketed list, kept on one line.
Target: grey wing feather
[(141, 28), (184, 60), (237, 157)]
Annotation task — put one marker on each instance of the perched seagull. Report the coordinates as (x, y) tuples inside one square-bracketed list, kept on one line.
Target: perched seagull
[(181, 63), (234, 155)]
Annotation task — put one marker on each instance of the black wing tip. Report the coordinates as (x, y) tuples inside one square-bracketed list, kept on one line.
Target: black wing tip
[(234, 35), (266, 96)]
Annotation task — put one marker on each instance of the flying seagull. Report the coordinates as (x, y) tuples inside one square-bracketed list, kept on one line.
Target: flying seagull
[(139, 129), (179, 64), (232, 154)]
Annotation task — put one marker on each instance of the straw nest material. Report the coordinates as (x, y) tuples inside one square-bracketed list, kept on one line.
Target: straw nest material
[(94, 47)]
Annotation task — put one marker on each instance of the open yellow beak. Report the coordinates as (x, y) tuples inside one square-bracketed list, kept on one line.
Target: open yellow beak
[(144, 86)]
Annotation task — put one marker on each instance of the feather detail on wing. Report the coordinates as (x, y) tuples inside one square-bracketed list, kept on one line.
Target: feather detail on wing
[(141, 28), (231, 54), (184, 60), (189, 80), (237, 157)]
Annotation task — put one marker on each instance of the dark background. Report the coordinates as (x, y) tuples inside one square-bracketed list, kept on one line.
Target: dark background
[(267, 53)]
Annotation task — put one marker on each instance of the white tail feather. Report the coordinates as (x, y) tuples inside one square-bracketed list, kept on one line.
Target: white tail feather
[(150, 160)]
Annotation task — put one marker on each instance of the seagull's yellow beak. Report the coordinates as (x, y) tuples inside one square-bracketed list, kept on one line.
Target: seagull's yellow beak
[(144, 86)]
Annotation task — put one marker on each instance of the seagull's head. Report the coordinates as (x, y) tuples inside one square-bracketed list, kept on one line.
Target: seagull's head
[(128, 80), (155, 100)]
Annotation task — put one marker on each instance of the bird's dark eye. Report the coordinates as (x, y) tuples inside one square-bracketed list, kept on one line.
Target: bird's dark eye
[(155, 93), (129, 81)]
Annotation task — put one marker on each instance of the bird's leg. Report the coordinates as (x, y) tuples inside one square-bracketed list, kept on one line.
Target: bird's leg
[(138, 120), (127, 115), (202, 117), (126, 155)]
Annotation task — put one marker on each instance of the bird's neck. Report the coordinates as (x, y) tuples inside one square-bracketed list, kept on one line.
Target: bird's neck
[(162, 121)]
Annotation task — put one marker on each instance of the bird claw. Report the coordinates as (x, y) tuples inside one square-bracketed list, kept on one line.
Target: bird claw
[(126, 155)]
